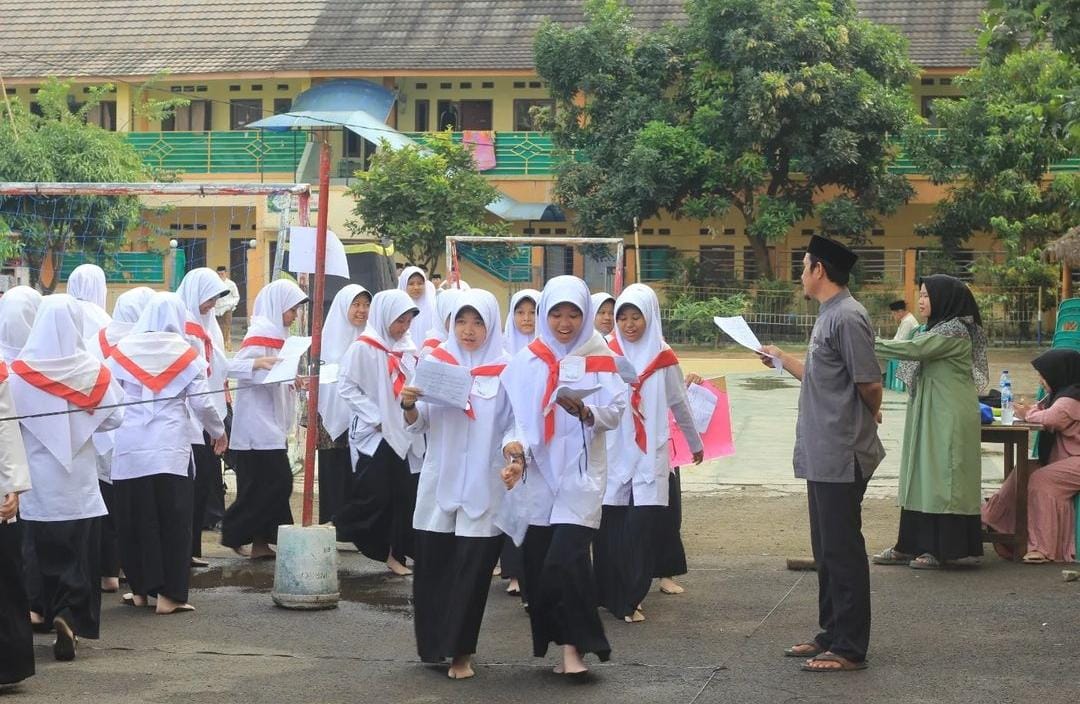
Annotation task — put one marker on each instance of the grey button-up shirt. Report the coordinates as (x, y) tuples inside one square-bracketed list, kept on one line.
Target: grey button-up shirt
[(835, 428)]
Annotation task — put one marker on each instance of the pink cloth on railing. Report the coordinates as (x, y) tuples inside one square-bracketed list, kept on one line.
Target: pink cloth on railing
[(482, 145)]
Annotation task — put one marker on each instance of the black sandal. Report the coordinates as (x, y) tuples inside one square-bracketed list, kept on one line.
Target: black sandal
[(812, 650)]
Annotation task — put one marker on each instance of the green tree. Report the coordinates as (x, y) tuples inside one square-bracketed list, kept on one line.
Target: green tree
[(418, 196), (1013, 25), (780, 109), (59, 145)]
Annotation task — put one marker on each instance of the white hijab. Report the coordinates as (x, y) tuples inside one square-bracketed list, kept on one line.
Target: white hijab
[(654, 402), (337, 334), (466, 468), (513, 339), (127, 309), (199, 286), (444, 308), (18, 307), (425, 318), (270, 305), (55, 349), (86, 284), (386, 307)]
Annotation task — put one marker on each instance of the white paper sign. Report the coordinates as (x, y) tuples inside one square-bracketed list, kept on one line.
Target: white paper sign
[(702, 406), (302, 252), (290, 354), (443, 384), (737, 329)]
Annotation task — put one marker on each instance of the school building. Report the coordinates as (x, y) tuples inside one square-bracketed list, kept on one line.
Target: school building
[(416, 67)]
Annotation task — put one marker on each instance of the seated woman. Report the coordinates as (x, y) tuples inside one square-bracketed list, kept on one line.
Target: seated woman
[(1051, 518)]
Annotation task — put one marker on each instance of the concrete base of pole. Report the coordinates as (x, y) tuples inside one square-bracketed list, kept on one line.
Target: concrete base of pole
[(305, 572)]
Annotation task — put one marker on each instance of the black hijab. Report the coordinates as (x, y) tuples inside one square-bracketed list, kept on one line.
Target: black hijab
[(949, 298), (1061, 370)]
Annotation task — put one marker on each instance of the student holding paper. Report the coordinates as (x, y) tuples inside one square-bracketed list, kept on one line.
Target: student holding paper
[(378, 514), (637, 483), (461, 487), (564, 438), (262, 420)]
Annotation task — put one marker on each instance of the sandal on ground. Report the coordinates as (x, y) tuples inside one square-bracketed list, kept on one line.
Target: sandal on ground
[(842, 664), (809, 649), (891, 556), (926, 561), (1034, 557)]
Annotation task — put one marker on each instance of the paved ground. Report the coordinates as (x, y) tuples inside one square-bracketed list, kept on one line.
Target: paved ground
[(999, 633)]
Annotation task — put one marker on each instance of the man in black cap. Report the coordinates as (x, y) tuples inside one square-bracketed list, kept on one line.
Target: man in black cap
[(836, 451)]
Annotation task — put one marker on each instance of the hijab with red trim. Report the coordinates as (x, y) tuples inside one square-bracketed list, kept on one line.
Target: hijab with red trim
[(197, 287), (127, 309), (18, 307), (156, 355), (270, 305), (54, 373)]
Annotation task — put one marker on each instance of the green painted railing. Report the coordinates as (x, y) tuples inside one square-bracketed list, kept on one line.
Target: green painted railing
[(506, 263), (221, 152), (121, 267), (516, 153)]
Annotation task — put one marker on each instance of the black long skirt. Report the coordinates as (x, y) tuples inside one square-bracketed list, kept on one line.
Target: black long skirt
[(562, 592), (16, 635), (154, 522), (946, 536), (263, 485), (623, 553), (208, 503), (110, 551), (450, 590), (378, 516), (669, 556), (512, 564), (335, 476), (61, 572)]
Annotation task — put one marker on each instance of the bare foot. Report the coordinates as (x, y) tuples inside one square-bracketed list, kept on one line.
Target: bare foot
[(572, 662), (514, 588), (241, 552), (497, 572), (670, 586), (166, 606), (638, 617), (398, 568), (262, 551), (461, 668), (132, 599), (110, 584)]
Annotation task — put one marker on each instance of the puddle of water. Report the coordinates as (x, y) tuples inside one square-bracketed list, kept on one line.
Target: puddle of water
[(376, 590), (765, 383)]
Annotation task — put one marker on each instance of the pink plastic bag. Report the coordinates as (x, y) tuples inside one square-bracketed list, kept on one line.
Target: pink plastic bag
[(716, 438)]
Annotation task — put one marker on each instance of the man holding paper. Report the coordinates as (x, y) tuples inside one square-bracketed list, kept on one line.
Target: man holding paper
[(836, 451)]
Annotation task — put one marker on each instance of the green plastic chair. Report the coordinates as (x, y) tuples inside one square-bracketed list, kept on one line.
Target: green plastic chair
[(1069, 304)]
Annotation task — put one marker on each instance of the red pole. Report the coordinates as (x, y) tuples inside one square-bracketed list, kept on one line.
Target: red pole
[(318, 293)]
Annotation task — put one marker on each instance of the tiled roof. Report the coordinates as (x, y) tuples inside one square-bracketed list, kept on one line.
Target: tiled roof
[(145, 37)]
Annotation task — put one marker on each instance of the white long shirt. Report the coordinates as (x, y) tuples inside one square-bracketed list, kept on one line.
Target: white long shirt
[(263, 414), (14, 470)]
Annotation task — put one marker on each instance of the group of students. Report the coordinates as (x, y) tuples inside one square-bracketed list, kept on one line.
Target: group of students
[(560, 459), (121, 425)]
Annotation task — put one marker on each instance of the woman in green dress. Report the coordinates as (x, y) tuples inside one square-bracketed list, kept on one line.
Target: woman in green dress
[(944, 368)]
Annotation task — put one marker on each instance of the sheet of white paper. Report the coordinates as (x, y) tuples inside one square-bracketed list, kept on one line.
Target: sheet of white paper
[(302, 252), (702, 406), (574, 394), (290, 354), (328, 373), (737, 329), (443, 384)]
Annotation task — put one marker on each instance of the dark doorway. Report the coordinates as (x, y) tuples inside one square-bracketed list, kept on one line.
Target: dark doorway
[(476, 115)]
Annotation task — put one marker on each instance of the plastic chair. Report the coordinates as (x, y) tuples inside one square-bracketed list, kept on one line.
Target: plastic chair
[(1067, 340), (1068, 321), (1069, 304)]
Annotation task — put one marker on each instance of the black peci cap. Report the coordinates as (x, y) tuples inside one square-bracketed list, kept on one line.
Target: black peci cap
[(832, 252), (898, 305)]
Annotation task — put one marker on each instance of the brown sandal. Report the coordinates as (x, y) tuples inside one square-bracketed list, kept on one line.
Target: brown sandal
[(845, 665), (809, 649)]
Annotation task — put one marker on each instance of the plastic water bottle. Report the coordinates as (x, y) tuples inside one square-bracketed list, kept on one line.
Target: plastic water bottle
[(1006, 399)]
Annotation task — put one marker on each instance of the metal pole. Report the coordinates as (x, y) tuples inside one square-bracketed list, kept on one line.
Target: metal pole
[(316, 332)]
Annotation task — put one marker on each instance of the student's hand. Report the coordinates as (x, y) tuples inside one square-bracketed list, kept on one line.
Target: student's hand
[(770, 350), (511, 474), (409, 395), (1020, 410), (572, 406), (265, 362), (699, 456), (512, 449), (692, 378), (879, 418), (221, 445), (9, 507)]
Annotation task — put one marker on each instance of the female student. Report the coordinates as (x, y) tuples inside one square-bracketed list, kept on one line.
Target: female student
[(262, 420), (86, 284), (200, 290), (1051, 516), (344, 323), (127, 309), (457, 543), (152, 469), (518, 331), (440, 331), (378, 515), (564, 437), (637, 483), (18, 307), (603, 306), (414, 282), (16, 634), (54, 374)]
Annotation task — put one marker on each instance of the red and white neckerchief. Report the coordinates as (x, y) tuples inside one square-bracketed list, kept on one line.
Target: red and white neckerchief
[(393, 363), (275, 343), (593, 363), (483, 370), (86, 399), (198, 331), (665, 359), (155, 381), (103, 341)]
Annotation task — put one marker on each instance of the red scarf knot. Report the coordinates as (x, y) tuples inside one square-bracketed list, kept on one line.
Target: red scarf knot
[(593, 363), (393, 363)]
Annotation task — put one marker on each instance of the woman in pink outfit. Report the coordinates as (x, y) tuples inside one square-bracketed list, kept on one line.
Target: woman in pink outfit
[(1051, 518)]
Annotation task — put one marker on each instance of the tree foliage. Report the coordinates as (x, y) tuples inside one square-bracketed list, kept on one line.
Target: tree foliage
[(418, 196), (778, 109), (59, 145)]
